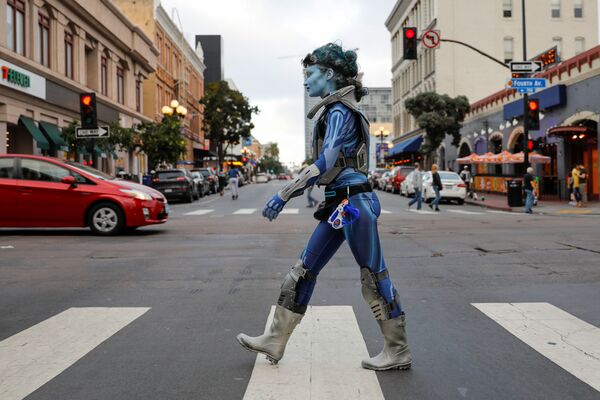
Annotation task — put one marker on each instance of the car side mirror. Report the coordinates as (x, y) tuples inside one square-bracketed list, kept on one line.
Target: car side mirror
[(69, 180)]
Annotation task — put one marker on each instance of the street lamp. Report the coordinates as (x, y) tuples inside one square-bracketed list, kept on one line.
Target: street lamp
[(382, 133), (174, 108)]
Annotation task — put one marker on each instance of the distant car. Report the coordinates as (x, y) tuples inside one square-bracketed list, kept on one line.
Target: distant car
[(175, 184), (262, 178), (382, 181), (44, 192), (211, 175), (399, 174), (374, 177), (454, 188), (202, 184), (282, 177), (406, 187)]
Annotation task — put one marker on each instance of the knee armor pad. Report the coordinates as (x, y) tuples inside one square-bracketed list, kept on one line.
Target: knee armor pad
[(287, 297), (380, 308)]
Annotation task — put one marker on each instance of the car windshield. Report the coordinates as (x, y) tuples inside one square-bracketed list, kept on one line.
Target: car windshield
[(169, 174), (205, 172), (90, 171), (449, 176)]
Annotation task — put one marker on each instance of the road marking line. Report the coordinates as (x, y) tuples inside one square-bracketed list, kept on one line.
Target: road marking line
[(199, 212), (465, 212), (322, 361), (502, 212), (385, 212), (245, 211), (290, 211), (421, 211), (566, 340), (38, 354)]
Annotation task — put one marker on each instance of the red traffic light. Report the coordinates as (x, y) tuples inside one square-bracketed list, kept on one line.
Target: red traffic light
[(533, 105), (86, 100), (409, 33), (530, 145)]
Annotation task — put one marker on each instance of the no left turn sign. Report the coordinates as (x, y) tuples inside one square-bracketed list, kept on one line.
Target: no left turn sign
[(431, 39)]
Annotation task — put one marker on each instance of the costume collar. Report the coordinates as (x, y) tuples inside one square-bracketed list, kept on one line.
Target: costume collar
[(344, 95)]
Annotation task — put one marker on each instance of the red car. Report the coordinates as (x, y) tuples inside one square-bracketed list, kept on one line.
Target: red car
[(399, 175), (46, 192)]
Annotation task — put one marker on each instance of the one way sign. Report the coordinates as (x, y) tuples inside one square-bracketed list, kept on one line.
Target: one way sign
[(100, 132), (525, 67)]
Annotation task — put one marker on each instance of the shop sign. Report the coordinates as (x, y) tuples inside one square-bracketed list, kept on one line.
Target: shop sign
[(21, 79)]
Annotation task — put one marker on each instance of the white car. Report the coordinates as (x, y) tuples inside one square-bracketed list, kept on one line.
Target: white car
[(382, 182), (262, 178), (406, 187), (454, 188)]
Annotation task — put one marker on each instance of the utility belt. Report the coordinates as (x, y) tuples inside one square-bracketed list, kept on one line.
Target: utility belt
[(334, 197)]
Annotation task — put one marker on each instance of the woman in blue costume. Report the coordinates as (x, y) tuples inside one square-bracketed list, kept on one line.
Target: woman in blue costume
[(341, 141)]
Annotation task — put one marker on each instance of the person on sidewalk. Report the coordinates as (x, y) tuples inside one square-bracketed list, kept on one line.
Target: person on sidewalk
[(436, 184), (528, 179), (311, 200), (466, 176), (417, 184), (222, 181), (576, 183), (340, 143), (583, 175), (234, 176)]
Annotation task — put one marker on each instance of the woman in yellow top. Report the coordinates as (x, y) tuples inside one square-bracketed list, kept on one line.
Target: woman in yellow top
[(576, 192)]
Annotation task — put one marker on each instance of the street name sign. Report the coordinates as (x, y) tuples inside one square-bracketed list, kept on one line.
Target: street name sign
[(528, 85), (525, 67), (93, 133)]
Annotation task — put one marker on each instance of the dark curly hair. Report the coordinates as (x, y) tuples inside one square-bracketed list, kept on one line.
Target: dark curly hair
[(343, 63)]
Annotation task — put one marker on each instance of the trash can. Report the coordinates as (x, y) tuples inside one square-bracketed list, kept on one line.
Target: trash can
[(515, 193)]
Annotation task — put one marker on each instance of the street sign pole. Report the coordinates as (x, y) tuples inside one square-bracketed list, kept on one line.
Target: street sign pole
[(525, 96)]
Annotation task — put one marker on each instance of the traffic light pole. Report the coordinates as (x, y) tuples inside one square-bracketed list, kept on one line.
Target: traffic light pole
[(525, 96)]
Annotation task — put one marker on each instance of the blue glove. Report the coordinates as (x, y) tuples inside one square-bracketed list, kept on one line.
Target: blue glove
[(273, 207)]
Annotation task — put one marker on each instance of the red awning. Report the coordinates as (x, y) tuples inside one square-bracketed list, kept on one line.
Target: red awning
[(567, 130)]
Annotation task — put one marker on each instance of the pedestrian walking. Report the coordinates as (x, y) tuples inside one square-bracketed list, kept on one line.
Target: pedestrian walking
[(417, 184), (466, 176), (234, 176), (311, 200), (576, 186), (222, 182), (436, 184), (528, 179), (583, 175)]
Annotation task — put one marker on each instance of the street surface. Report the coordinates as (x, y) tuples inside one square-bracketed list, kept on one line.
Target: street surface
[(499, 306)]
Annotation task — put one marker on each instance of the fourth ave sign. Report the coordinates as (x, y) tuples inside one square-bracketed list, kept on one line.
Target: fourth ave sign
[(100, 132)]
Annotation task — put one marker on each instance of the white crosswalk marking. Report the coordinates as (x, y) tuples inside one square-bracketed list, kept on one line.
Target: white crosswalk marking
[(321, 361), (33, 357), (290, 211), (503, 212), (199, 212), (421, 211), (465, 212), (245, 211), (385, 211), (571, 343)]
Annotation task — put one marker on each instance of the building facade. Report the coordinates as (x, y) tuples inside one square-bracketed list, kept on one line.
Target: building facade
[(377, 107), (51, 51), (492, 26), (213, 56), (179, 74)]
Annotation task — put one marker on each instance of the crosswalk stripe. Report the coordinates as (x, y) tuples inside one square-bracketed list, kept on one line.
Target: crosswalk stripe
[(385, 212), (465, 212), (319, 362), (245, 211), (199, 212), (38, 354), (422, 211), (290, 211), (503, 212), (566, 340)]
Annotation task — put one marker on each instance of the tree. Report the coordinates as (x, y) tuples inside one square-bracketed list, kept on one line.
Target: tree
[(227, 116), (269, 164), (439, 115), (272, 150), (162, 141)]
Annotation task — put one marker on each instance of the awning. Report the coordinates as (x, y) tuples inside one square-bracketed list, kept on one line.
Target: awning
[(411, 145), (201, 153), (34, 131), (53, 134), (567, 130)]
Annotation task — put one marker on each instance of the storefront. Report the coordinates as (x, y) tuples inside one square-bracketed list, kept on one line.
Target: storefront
[(405, 151)]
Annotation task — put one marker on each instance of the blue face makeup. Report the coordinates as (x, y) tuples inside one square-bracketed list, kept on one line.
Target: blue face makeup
[(316, 81)]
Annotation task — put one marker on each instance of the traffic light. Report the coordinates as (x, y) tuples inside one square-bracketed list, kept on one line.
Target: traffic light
[(87, 110), (533, 114), (410, 43)]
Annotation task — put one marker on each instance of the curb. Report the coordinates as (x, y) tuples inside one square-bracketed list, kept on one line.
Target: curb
[(490, 206)]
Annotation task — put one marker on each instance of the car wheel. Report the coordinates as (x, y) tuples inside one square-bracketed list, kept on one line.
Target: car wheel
[(190, 197), (106, 219), (201, 193), (461, 202)]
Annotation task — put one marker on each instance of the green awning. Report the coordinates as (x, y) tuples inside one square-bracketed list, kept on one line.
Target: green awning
[(53, 133), (35, 132)]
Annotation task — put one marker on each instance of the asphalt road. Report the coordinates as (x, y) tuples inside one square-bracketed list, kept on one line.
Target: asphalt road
[(208, 276)]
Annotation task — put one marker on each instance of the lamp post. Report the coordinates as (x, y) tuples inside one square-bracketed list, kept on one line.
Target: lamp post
[(174, 108), (381, 133)]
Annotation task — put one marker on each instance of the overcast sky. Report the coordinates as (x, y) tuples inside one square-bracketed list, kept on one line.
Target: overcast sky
[(258, 33)]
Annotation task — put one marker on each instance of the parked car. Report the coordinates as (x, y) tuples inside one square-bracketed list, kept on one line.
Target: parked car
[(374, 177), (382, 182), (175, 184), (454, 188), (211, 175), (262, 178), (406, 187), (45, 192), (399, 174), (202, 184), (282, 177)]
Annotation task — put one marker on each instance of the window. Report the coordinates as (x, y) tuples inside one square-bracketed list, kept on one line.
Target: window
[(37, 170), (15, 26), (104, 76), (138, 95), (579, 45), (555, 8), (578, 9), (557, 41), (120, 85), (508, 49), (7, 168), (44, 35), (507, 8), (69, 55)]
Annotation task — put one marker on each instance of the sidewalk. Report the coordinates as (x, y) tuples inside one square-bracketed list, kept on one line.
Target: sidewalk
[(500, 202)]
